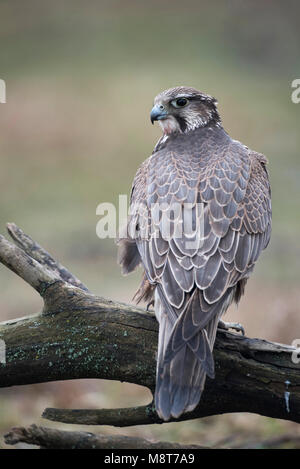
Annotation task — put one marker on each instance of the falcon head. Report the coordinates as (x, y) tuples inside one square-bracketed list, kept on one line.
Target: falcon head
[(183, 109)]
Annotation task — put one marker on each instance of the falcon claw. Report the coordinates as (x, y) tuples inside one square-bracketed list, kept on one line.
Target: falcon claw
[(231, 325), (151, 303)]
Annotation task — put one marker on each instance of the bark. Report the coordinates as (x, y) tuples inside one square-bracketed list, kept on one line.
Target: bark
[(49, 438), (80, 335)]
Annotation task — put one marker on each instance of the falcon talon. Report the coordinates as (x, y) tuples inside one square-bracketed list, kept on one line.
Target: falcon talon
[(195, 163), (151, 303), (231, 325)]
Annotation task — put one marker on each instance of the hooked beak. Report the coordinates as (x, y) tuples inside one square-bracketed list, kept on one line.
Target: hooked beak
[(158, 113)]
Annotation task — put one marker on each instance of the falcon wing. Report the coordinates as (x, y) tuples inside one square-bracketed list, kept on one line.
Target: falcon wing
[(195, 285)]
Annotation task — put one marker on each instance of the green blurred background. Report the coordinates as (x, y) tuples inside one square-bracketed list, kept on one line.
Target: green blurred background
[(81, 78)]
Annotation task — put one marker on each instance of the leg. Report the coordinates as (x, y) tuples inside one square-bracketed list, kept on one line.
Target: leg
[(151, 303), (231, 325)]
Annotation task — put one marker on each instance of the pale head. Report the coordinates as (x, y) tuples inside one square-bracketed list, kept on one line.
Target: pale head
[(183, 109)]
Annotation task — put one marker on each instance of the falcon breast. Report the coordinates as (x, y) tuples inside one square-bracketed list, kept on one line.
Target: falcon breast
[(193, 271)]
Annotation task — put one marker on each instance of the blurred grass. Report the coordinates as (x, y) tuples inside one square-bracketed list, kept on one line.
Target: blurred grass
[(81, 78)]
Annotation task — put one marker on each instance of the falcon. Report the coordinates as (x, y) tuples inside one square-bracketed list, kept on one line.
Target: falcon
[(198, 256)]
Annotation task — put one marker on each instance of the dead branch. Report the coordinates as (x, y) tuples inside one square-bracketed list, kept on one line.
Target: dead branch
[(287, 440), (49, 438), (80, 335), (34, 250)]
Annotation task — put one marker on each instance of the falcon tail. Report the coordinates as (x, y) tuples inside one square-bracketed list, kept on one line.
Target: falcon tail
[(180, 376)]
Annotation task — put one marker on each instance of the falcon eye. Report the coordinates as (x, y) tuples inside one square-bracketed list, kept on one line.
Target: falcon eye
[(180, 102)]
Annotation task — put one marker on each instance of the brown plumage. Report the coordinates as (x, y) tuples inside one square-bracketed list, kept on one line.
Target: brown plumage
[(195, 162)]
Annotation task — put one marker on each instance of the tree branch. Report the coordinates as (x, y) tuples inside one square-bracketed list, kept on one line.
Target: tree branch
[(34, 250), (25, 266), (80, 335), (58, 439), (124, 417)]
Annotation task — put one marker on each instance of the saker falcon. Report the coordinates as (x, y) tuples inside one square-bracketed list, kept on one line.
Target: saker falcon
[(193, 278)]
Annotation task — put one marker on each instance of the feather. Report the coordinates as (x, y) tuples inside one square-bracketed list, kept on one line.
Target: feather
[(194, 285), (173, 294), (243, 253), (217, 288), (227, 241), (128, 256), (206, 274), (183, 277)]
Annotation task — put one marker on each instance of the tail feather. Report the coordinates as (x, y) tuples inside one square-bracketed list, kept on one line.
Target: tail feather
[(180, 386), (201, 346), (187, 327), (183, 386), (200, 374), (181, 374), (198, 386)]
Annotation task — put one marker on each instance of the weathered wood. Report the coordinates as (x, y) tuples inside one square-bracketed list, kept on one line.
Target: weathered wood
[(34, 250), (80, 335), (50, 438)]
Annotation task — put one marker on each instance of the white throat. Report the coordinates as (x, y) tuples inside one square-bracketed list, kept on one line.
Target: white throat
[(169, 125)]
